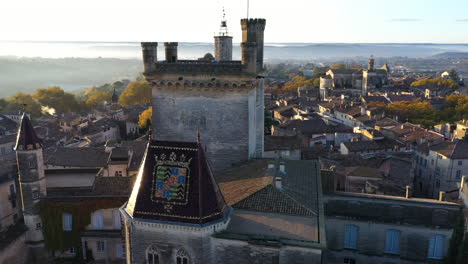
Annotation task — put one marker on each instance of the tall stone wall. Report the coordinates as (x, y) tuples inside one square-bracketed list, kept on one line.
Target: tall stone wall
[(16, 252), (221, 115)]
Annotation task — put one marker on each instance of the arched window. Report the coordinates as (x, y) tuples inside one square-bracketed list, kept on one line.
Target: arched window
[(182, 257), (152, 255)]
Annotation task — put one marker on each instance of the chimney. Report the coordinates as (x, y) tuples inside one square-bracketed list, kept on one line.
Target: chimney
[(150, 52), (171, 51), (279, 182), (408, 192), (441, 196)]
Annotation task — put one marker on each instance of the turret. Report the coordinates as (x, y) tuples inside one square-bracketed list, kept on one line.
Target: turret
[(171, 51), (253, 31), (223, 43), (150, 55), (32, 182), (371, 63)]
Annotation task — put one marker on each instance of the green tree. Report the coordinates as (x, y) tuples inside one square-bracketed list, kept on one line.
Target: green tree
[(456, 240), (453, 75), (338, 66), (3, 104), (297, 81), (136, 93), (24, 101), (55, 97)]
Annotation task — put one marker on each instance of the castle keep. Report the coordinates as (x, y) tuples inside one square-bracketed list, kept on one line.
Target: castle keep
[(220, 97)]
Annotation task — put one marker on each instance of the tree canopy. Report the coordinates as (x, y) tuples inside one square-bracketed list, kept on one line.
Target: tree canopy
[(55, 97), (297, 81), (435, 83), (26, 101), (97, 97), (138, 92), (144, 120)]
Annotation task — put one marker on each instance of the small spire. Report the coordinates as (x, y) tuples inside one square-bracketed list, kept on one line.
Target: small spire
[(27, 138)]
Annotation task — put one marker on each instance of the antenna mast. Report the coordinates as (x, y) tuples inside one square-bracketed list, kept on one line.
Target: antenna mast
[(248, 4)]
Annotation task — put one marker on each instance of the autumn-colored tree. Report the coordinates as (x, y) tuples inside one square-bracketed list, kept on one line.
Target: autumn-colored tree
[(136, 93), (435, 83), (98, 98), (144, 120), (55, 97), (338, 66), (297, 81), (24, 101)]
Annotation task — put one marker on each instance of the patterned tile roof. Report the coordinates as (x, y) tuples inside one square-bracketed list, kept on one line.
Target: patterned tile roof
[(175, 184)]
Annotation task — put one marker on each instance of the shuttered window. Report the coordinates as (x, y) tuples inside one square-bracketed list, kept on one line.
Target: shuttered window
[(436, 247), (351, 236), (97, 220), (392, 242), (117, 222), (67, 222)]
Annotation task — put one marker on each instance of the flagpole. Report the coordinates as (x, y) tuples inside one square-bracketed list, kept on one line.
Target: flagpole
[(248, 4)]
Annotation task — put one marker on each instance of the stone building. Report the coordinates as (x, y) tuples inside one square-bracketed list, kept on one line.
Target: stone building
[(366, 228), (356, 82), (260, 212), (207, 94)]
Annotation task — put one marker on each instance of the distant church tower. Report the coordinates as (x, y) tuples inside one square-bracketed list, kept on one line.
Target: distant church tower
[(223, 42), (223, 98), (32, 185)]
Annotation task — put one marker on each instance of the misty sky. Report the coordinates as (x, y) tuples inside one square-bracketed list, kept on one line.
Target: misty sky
[(368, 21)]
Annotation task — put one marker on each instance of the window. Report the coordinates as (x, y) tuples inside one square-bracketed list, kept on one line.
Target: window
[(460, 162), (97, 220), (392, 242), (32, 164), (72, 251), (38, 226), (350, 238), (120, 250), (152, 255), (436, 247), (35, 195), (100, 245), (117, 222), (349, 261), (182, 257), (432, 162), (118, 173), (458, 174), (67, 222)]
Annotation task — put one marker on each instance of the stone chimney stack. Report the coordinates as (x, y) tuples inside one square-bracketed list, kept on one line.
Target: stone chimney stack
[(441, 196), (150, 55), (171, 51), (253, 32)]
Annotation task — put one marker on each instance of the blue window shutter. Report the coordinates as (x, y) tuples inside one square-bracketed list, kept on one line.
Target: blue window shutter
[(388, 242), (431, 252), (392, 242), (396, 242), (439, 248), (350, 238), (353, 242)]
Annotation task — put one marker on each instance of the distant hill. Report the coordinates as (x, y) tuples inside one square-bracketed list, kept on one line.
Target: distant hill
[(72, 74), (451, 55)]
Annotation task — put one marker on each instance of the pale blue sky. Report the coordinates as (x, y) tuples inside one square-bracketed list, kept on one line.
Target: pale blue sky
[(369, 21)]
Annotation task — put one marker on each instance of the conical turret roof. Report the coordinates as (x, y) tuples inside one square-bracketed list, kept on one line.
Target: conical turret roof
[(27, 138)]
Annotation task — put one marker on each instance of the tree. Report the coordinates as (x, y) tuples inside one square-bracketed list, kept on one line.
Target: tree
[(98, 98), (297, 81), (456, 240), (3, 104), (144, 120), (435, 83), (453, 75), (136, 93), (55, 97), (24, 101), (338, 66)]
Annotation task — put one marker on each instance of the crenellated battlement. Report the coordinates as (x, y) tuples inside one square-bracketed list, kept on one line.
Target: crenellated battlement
[(198, 67)]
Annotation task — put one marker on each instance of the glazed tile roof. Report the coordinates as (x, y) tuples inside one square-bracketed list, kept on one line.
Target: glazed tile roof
[(175, 184)]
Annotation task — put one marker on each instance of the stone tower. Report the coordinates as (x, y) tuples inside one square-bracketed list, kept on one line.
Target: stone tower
[(224, 99), (175, 207), (223, 43), (32, 185), (371, 64), (252, 32)]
